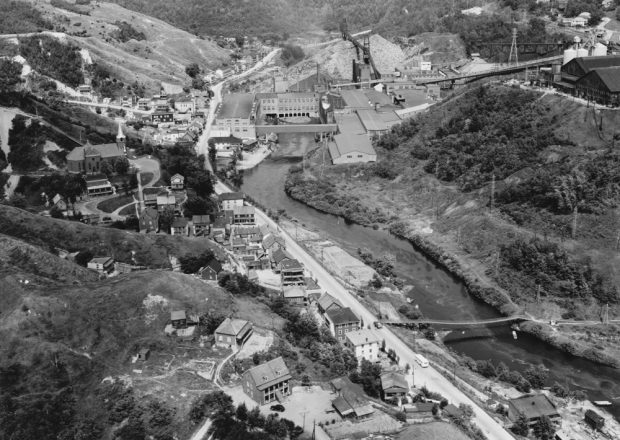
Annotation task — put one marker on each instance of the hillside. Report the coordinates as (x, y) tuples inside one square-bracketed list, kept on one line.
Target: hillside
[(433, 183), (149, 50), (153, 251), (60, 342)]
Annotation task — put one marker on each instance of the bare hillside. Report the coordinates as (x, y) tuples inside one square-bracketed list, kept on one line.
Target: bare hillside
[(161, 56)]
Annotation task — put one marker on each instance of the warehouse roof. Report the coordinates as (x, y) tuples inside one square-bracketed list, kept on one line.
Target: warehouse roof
[(346, 143), (591, 63), (609, 76), (532, 407), (236, 105)]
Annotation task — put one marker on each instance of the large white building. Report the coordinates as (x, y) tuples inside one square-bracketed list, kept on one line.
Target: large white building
[(289, 104), (365, 344), (351, 148), (236, 115)]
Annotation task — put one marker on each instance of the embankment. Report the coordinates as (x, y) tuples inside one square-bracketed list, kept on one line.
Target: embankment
[(485, 291)]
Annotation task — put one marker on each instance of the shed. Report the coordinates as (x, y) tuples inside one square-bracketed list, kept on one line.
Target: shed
[(594, 419), (144, 354)]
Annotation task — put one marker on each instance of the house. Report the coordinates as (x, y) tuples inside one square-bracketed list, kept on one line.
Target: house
[(177, 182), (419, 410), (180, 226), (312, 288), (162, 117), (231, 200), (232, 333), (149, 196), (184, 105), (243, 215), (149, 220), (58, 202), (533, 407), (267, 382), (211, 270), (341, 321), (364, 343), (292, 273), (200, 225), (351, 401), (394, 385), (98, 184), (278, 256), (88, 159), (178, 319), (273, 241), (165, 201), (103, 265), (219, 229), (327, 302), (351, 148), (594, 419), (295, 295)]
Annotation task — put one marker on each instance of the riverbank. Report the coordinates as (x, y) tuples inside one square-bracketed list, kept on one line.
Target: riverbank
[(442, 248), (253, 158)]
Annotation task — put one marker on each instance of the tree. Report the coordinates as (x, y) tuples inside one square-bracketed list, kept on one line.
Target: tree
[(202, 184), (198, 83), (192, 70), (212, 154), (83, 257), (121, 165), (536, 375), (544, 429), (166, 217), (242, 412), (570, 193), (255, 418), (106, 168), (595, 17), (10, 74), (196, 205), (521, 426)]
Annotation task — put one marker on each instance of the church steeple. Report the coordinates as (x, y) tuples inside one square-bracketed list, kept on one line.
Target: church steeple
[(120, 139)]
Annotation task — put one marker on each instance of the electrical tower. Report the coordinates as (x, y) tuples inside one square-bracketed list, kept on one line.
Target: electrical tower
[(513, 48)]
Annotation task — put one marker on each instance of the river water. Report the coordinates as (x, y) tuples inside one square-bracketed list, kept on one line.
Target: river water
[(438, 294)]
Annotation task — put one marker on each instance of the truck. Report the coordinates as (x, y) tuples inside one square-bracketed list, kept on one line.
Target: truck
[(421, 360)]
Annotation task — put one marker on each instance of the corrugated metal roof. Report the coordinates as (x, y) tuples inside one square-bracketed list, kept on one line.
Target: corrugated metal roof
[(610, 76)]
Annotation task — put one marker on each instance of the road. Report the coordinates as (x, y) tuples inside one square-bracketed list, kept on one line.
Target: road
[(428, 377), (114, 106), (202, 146)]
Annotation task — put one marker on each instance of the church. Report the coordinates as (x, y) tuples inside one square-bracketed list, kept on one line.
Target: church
[(88, 159)]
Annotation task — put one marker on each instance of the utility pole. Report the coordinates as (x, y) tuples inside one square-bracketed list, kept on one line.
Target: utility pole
[(513, 48), (605, 317), (493, 192)]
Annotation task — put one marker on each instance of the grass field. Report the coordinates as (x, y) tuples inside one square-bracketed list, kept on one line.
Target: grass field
[(432, 431), (128, 210), (145, 177), (111, 205)]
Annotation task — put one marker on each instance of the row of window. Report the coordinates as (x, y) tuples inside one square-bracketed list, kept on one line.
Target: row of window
[(350, 156)]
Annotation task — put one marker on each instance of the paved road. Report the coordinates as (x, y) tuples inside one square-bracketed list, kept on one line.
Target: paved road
[(428, 377)]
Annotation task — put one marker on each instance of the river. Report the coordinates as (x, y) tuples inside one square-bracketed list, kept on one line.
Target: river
[(438, 294)]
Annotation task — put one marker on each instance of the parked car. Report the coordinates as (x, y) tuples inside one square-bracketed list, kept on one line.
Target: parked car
[(277, 407), (378, 324)]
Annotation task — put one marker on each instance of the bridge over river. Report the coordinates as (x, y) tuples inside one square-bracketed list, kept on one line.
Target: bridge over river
[(461, 323)]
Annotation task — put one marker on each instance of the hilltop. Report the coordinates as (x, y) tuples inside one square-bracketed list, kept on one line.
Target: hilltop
[(153, 251), (432, 185), (131, 45)]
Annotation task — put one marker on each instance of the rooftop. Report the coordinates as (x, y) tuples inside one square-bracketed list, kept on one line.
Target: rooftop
[(243, 210), (269, 373), (610, 76), (377, 121), (291, 264), (392, 379), (232, 196), (103, 150), (175, 315), (235, 327), (346, 143), (532, 407), (326, 301), (100, 260), (294, 292), (356, 98), (591, 63), (341, 316), (201, 219), (179, 222), (236, 106), (360, 337)]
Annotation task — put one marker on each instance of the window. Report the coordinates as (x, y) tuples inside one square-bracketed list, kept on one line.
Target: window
[(349, 156), (359, 155)]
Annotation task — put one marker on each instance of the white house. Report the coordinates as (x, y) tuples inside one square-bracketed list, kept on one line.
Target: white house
[(365, 344), (231, 200)]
